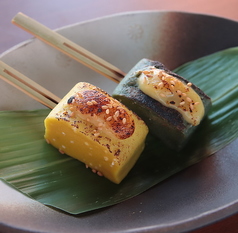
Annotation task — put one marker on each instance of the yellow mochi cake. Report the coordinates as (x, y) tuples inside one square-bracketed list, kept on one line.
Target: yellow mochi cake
[(98, 130)]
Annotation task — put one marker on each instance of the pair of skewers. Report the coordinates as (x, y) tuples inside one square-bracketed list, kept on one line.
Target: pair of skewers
[(64, 45)]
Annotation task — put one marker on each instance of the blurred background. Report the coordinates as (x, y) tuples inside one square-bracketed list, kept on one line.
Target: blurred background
[(58, 13)]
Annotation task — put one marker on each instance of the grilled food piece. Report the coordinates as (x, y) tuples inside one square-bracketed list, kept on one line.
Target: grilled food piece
[(98, 130), (171, 106)]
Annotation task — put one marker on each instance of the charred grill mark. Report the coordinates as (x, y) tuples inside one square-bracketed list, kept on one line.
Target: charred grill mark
[(97, 105)]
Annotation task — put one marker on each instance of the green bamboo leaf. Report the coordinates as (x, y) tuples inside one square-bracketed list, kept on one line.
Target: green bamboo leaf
[(39, 171)]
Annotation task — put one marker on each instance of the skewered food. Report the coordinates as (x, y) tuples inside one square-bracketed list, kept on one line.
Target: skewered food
[(171, 106), (98, 130)]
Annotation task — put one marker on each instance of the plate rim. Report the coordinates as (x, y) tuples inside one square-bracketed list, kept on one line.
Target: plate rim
[(229, 209)]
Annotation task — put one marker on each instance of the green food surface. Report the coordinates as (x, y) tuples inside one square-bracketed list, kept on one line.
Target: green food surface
[(39, 171), (164, 122)]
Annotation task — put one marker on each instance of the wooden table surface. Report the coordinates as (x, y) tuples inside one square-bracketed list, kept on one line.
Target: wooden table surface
[(58, 13)]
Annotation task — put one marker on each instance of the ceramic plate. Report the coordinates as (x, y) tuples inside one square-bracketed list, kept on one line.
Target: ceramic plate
[(199, 195)]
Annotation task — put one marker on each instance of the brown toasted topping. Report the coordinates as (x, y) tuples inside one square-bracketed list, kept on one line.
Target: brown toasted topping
[(109, 118), (97, 106), (172, 92)]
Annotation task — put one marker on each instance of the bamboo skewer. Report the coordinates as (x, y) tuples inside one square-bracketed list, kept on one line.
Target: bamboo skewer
[(68, 47), (28, 86), (61, 43)]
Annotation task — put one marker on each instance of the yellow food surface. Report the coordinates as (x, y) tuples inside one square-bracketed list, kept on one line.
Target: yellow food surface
[(96, 129), (172, 93)]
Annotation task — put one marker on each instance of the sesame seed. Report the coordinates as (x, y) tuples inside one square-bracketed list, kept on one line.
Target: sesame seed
[(160, 84), (196, 103), (104, 107), (99, 173), (94, 102), (181, 103), (97, 134), (94, 171), (89, 103), (109, 118), (107, 111), (144, 80), (63, 133), (188, 99), (172, 82), (100, 124), (162, 95), (86, 143), (61, 151), (71, 141), (117, 113), (179, 92), (105, 158), (146, 72), (189, 84), (112, 164), (184, 94), (124, 120), (63, 146), (48, 141), (86, 165), (72, 114), (54, 139), (191, 106), (160, 72)]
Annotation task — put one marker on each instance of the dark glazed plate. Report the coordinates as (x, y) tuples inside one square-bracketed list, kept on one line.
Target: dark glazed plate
[(199, 195)]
